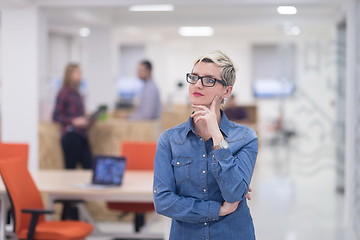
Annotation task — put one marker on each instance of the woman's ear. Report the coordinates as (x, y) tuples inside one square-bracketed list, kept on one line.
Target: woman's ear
[(228, 92)]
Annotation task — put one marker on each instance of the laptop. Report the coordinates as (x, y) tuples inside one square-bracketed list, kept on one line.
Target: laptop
[(108, 170)]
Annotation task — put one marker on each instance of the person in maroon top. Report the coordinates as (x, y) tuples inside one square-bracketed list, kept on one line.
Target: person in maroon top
[(70, 113)]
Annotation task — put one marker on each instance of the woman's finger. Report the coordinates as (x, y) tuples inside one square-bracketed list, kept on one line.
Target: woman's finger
[(199, 113), (248, 197), (214, 102), (199, 118), (200, 107)]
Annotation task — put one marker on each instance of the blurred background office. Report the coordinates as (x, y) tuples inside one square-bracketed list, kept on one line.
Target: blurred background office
[(298, 70)]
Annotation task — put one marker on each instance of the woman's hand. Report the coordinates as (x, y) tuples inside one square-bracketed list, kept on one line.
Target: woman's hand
[(210, 118), (248, 196), (227, 208), (80, 122)]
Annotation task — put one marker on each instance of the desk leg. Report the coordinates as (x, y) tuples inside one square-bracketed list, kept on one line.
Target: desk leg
[(2, 216), (50, 205), (86, 216)]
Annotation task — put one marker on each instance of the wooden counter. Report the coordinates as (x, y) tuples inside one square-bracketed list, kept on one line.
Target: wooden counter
[(105, 137)]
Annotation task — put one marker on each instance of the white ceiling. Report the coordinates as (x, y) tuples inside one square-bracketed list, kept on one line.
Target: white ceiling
[(75, 13)]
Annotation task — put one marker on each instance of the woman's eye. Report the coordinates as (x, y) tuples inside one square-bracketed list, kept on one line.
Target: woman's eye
[(194, 78), (209, 80)]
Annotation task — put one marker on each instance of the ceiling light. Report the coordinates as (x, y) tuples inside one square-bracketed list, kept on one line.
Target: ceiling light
[(200, 31), (287, 10), (152, 8), (291, 30), (84, 32)]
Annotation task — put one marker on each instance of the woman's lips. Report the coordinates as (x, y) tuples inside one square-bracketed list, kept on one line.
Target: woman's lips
[(197, 94)]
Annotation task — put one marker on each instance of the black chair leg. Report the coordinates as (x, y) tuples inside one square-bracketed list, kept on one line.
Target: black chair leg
[(139, 221), (70, 212), (9, 216)]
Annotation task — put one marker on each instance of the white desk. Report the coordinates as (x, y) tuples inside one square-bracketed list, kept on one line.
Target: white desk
[(64, 184)]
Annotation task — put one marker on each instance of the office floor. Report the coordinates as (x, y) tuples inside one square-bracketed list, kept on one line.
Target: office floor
[(293, 197)]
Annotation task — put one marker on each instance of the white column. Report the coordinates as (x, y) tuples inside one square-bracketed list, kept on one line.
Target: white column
[(352, 141), (97, 67), (20, 73)]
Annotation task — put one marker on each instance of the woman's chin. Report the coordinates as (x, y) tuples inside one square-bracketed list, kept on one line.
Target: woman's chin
[(197, 102)]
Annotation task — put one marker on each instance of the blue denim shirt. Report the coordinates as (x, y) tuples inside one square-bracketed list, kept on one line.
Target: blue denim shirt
[(191, 181)]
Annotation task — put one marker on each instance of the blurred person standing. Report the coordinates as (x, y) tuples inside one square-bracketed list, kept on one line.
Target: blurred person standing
[(69, 111), (149, 107)]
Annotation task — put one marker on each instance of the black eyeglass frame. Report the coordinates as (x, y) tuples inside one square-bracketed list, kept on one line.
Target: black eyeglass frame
[(222, 82)]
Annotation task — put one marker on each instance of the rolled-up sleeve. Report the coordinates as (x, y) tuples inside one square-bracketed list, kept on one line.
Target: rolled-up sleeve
[(233, 172), (167, 201)]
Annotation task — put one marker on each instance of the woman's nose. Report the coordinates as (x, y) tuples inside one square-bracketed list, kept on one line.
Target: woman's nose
[(199, 84)]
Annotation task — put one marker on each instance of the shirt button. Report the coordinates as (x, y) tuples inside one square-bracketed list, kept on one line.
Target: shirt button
[(201, 139), (204, 155), (205, 224), (204, 190), (177, 163), (203, 171)]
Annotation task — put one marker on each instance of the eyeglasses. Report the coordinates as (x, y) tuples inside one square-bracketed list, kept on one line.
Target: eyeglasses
[(205, 81)]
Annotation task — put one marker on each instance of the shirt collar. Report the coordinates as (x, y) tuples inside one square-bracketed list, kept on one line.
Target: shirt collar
[(224, 125)]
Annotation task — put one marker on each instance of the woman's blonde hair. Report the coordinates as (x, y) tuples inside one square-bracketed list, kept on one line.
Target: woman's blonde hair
[(67, 81), (227, 72)]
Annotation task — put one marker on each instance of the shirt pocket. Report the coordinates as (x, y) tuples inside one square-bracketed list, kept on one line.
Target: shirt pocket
[(181, 168)]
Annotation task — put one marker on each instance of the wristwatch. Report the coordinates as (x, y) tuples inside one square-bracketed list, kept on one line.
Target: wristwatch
[(223, 144)]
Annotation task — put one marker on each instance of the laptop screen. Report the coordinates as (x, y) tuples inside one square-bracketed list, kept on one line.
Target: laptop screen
[(108, 170)]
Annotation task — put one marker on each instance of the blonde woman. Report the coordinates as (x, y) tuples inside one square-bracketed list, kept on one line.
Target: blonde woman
[(204, 166), (69, 111)]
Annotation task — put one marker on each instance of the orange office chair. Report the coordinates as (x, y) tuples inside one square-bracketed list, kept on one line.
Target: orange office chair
[(14, 150), (28, 207), (139, 156)]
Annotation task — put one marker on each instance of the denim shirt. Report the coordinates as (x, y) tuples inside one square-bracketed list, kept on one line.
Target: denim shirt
[(191, 181)]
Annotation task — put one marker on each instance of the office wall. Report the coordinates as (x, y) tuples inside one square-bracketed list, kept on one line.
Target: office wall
[(352, 124), (96, 61), (0, 74), (315, 70), (0, 82), (22, 69)]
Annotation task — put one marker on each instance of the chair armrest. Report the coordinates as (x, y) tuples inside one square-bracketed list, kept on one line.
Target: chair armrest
[(35, 213), (69, 201)]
